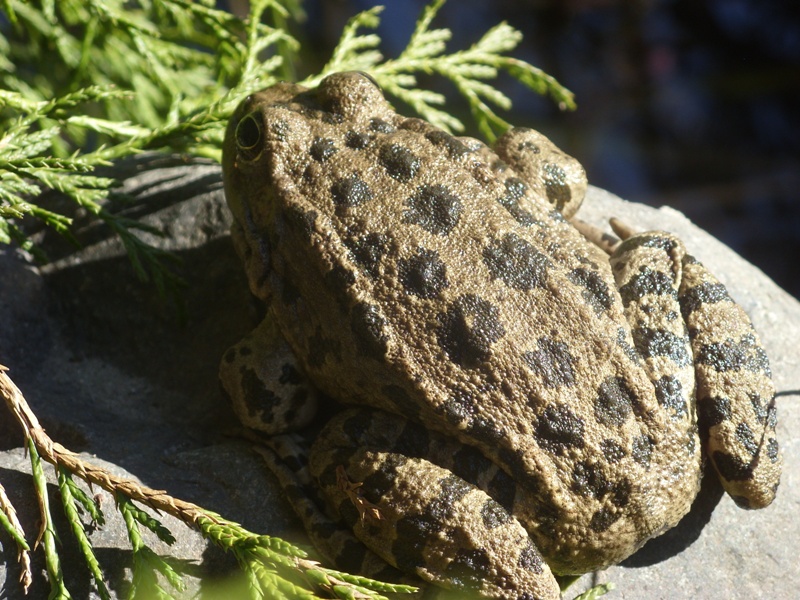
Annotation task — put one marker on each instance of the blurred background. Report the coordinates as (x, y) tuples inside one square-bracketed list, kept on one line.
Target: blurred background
[(690, 103)]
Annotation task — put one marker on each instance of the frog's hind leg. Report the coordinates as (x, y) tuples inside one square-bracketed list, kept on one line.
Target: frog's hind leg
[(734, 391), (287, 458), (390, 480)]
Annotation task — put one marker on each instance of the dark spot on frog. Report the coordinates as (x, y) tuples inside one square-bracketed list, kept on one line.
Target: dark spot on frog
[(764, 411), (603, 519), (434, 208), (469, 568), (468, 329), (289, 374), (357, 140), (334, 117), (588, 479), (350, 192), (645, 240), (642, 449), (493, 515), (558, 429), (732, 467), (705, 293), (356, 426), (772, 449), (415, 530), (552, 362), (367, 250), (630, 351), (555, 185), (651, 343), (381, 126), (455, 149), (517, 262), (460, 408), (424, 274), (413, 533), (484, 430), (669, 393), (712, 411), (400, 163), (530, 559), (745, 436), (612, 451), (367, 326), (382, 479), (300, 221), (647, 282), (259, 398), (621, 493), (614, 402), (735, 356), (515, 190), (322, 149), (595, 291)]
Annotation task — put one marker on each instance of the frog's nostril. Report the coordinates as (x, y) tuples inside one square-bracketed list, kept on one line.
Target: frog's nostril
[(248, 137)]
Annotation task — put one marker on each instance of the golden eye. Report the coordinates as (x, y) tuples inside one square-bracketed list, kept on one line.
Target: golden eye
[(248, 137)]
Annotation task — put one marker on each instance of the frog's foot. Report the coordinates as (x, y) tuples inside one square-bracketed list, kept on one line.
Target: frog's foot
[(286, 457), (268, 391), (715, 343), (421, 517)]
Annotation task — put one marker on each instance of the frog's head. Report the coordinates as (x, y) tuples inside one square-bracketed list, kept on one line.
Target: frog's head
[(267, 136)]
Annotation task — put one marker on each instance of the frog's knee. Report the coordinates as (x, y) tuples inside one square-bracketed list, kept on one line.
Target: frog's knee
[(267, 390), (557, 176)]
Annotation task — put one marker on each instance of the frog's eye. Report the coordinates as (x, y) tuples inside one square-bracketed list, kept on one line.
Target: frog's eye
[(248, 137)]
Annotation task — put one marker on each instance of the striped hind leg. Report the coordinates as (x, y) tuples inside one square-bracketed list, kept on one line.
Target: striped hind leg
[(735, 393), (735, 396)]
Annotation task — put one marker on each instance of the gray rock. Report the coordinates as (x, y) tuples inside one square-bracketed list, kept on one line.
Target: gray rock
[(114, 370)]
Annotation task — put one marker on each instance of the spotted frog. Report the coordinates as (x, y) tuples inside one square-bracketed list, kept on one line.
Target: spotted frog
[(524, 401)]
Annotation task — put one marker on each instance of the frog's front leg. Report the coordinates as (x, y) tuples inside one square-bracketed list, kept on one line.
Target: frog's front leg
[(268, 392), (394, 483), (734, 391)]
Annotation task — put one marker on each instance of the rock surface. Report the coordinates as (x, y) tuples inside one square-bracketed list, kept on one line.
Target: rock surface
[(116, 372)]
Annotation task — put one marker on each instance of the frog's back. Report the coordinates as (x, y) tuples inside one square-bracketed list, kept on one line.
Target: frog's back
[(417, 273)]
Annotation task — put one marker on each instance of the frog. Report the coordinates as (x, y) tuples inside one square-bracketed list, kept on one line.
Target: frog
[(524, 397)]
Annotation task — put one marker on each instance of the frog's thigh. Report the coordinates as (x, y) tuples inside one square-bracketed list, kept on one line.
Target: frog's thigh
[(421, 517), (268, 391), (735, 393), (685, 325)]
